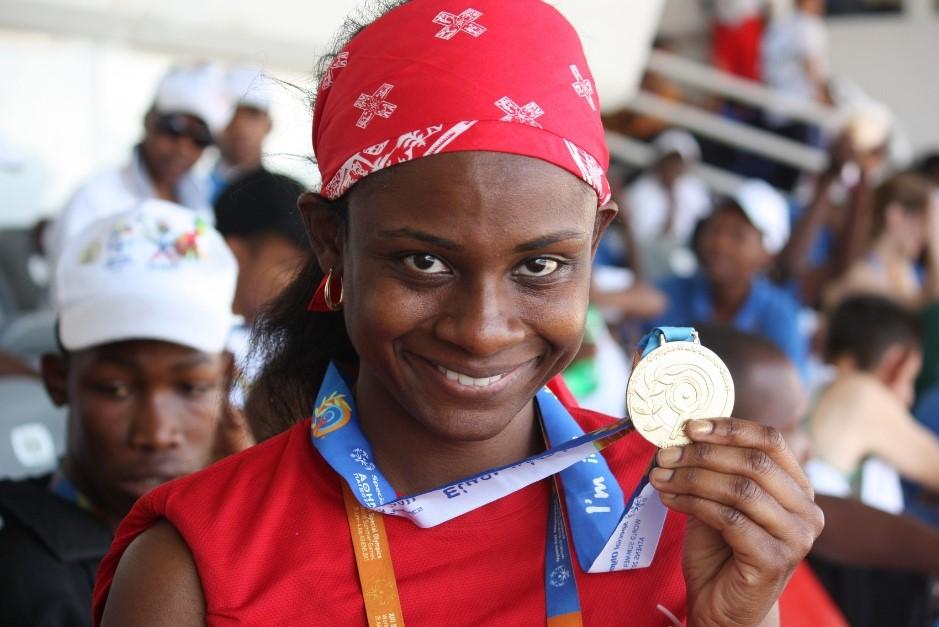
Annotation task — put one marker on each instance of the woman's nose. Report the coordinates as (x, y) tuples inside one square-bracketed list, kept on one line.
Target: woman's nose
[(481, 318)]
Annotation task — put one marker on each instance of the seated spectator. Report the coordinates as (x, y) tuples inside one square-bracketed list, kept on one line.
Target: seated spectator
[(735, 246), (642, 126), (189, 110), (736, 36), (258, 217), (905, 225), (875, 565), (794, 59), (861, 429), (143, 301), (241, 145), (664, 205)]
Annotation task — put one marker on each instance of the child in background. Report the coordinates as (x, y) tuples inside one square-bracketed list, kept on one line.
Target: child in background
[(735, 246), (861, 429)]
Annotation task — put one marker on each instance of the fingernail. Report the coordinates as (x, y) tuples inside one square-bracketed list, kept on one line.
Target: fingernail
[(661, 475), (699, 427), (669, 456)]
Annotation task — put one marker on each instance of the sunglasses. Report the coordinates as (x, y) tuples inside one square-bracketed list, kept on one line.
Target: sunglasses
[(180, 126)]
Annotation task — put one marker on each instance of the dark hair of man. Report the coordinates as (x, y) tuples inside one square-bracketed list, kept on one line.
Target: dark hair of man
[(866, 327), (910, 190), (261, 203), (295, 345)]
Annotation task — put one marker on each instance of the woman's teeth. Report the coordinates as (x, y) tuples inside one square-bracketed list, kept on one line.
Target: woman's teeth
[(467, 380)]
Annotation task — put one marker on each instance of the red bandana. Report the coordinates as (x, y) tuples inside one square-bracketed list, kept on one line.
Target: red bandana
[(436, 76)]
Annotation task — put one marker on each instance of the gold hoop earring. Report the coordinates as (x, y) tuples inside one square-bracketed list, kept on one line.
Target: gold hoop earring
[(327, 292)]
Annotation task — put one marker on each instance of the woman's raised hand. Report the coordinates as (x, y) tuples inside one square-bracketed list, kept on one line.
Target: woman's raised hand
[(751, 518)]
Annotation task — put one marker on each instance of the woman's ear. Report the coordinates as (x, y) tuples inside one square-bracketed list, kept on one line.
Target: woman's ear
[(324, 228), (605, 215)]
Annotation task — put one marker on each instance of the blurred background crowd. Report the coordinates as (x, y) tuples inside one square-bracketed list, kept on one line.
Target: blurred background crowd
[(776, 165)]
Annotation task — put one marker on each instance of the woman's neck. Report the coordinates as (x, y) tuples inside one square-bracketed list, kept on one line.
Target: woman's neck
[(415, 459)]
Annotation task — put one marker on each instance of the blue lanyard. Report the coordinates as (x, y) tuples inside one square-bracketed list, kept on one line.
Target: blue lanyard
[(608, 532)]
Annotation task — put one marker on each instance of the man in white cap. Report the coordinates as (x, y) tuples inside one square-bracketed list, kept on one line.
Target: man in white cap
[(665, 204), (143, 302), (190, 109), (736, 245), (241, 143)]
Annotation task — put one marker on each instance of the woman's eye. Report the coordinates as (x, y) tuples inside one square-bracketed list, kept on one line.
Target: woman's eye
[(426, 264), (539, 266)]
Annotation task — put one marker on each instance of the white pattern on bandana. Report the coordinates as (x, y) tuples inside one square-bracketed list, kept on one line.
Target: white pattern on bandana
[(374, 104), (525, 114), (590, 170), (379, 156), (341, 61), (453, 25), (583, 87)]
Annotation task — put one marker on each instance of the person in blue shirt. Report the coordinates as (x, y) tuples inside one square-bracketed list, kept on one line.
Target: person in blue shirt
[(735, 246)]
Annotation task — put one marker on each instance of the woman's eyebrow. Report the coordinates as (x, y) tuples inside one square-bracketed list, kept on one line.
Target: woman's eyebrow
[(549, 239), (422, 236)]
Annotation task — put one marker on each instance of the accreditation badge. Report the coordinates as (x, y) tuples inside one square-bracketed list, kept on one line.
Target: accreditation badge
[(676, 382)]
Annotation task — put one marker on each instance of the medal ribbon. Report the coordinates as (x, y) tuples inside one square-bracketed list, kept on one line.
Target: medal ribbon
[(660, 335), (609, 533)]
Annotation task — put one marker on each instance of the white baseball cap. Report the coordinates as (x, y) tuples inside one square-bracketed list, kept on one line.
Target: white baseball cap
[(156, 272), (249, 87), (767, 210), (675, 141), (199, 91)]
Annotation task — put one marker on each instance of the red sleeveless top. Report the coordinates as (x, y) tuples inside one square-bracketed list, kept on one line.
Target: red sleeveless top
[(268, 533)]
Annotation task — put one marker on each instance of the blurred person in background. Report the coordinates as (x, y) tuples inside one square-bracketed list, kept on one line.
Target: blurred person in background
[(875, 565), (241, 144), (664, 205), (143, 303), (904, 228), (642, 126), (831, 231), (863, 435), (795, 61), (258, 217), (736, 36), (736, 246), (190, 109)]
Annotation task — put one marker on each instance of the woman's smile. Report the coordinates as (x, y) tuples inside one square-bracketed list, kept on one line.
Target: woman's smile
[(467, 380)]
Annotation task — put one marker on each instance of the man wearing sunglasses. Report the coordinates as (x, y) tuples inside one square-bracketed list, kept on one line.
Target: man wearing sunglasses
[(191, 107)]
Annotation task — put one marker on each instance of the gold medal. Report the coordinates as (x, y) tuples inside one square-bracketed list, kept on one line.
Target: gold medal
[(675, 383)]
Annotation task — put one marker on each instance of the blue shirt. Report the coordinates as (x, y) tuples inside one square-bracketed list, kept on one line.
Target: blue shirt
[(769, 311)]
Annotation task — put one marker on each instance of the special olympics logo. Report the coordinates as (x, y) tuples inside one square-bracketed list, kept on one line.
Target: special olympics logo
[(559, 576), (332, 413), (361, 457)]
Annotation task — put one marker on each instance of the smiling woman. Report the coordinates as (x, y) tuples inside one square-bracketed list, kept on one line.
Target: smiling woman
[(464, 194)]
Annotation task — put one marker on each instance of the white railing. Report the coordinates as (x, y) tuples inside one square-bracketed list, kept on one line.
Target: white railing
[(708, 124)]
